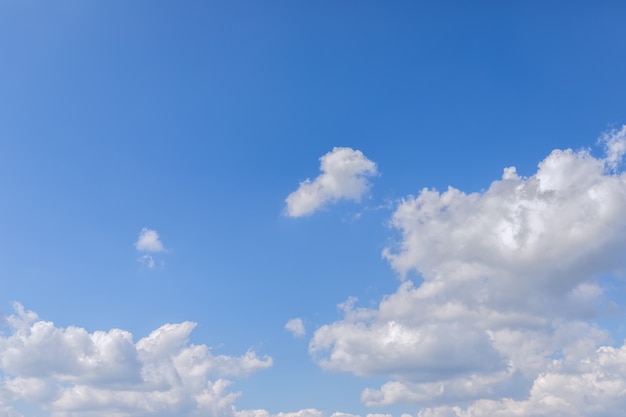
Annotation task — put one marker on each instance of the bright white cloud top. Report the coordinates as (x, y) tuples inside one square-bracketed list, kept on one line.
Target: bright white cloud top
[(345, 176), (502, 315)]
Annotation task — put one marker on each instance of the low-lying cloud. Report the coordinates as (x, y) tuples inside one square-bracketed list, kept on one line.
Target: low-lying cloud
[(70, 372)]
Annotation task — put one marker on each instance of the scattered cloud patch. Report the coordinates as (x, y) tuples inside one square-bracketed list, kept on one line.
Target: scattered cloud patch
[(345, 176), (614, 143), (148, 241), (70, 372), (296, 327), (9, 412), (307, 412), (147, 261), (501, 315)]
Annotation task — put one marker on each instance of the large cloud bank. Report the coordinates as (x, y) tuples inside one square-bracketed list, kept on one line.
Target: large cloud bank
[(345, 176), (69, 372), (501, 321)]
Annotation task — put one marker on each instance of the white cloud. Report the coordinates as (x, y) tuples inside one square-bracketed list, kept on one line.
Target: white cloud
[(148, 241), (147, 261), (507, 283), (296, 327), (614, 142), (71, 372), (344, 176), (307, 412), (592, 387), (9, 412)]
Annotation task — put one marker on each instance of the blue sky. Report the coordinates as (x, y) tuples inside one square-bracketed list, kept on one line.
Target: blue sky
[(192, 123)]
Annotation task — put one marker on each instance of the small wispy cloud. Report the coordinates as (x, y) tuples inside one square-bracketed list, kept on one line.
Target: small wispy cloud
[(147, 261), (148, 241), (296, 327), (614, 143)]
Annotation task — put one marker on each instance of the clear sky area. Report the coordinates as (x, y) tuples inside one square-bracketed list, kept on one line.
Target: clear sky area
[(312, 208)]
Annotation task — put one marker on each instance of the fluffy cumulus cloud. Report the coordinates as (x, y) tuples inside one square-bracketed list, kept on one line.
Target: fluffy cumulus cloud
[(296, 327), (71, 372), (345, 176), (498, 320), (592, 387)]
